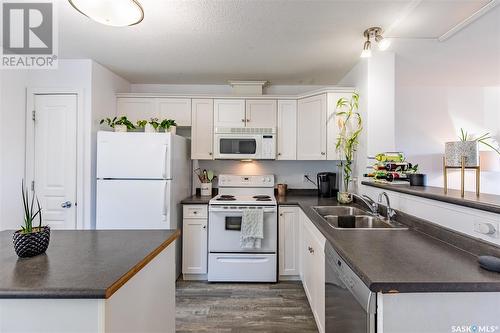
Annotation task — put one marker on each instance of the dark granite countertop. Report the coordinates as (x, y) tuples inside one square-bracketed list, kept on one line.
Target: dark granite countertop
[(79, 263), (486, 202), (401, 260), (196, 200)]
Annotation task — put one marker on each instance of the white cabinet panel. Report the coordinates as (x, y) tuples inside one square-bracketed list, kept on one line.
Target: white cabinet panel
[(194, 246), (229, 113), (287, 130), (311, 128), (136, 108), (260, 113), (289, 241), (202, 129), (178, 109), (332, 130)]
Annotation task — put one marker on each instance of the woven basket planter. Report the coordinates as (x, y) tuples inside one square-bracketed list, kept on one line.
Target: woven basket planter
[(33, 243)]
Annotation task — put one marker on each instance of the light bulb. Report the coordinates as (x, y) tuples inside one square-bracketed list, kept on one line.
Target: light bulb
[(384, 44), (117, 13)]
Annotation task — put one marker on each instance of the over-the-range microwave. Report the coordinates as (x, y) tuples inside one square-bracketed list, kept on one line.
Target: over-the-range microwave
[(241, 143)]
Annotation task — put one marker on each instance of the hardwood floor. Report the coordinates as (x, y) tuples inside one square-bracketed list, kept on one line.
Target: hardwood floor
[(242, 307)]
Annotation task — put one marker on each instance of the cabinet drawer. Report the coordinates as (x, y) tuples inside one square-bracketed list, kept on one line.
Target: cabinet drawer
[(195, 211)]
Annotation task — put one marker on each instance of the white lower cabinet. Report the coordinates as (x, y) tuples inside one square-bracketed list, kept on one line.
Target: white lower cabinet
[(195, 242), (289, 230), (312, 254)]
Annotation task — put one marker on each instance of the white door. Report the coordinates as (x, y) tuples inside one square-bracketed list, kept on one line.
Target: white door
[(332, 129), (54, 155), (229, 113), (311, 133), (133, 204), (194, 246), (202, 130), (289, 241), (287, 130), (136, 108), (260, 113), (178, 109)]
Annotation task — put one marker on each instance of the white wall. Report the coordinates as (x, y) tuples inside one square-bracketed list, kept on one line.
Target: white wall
[(98, 86), (443, 86)]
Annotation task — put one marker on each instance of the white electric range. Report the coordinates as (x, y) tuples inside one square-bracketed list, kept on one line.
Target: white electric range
[(227, 261)]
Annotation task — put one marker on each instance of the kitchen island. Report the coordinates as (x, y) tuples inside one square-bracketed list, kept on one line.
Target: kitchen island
[(91, 281)]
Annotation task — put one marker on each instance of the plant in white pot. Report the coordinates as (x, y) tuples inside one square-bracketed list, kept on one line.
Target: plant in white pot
[(121, 124), (169, 126), (30, 241), (150, 126), (350, 126), (468, 148)]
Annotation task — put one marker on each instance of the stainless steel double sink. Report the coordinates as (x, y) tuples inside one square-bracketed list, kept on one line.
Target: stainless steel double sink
[(347, 217)]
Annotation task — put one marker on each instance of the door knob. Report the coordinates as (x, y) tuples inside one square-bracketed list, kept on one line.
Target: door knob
[(243, 120), (66, 204), (204, 227), (248, 120)]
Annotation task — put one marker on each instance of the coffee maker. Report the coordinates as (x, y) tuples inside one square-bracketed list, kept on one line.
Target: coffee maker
[(327, 184)]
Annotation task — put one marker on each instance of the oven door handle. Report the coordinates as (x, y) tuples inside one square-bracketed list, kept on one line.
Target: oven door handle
[(240, 209)]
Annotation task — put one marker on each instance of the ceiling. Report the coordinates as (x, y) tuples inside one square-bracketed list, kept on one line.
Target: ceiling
[(283, 41)]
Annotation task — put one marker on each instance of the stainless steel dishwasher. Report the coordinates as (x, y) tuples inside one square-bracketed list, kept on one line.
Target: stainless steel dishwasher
[(350, 306)]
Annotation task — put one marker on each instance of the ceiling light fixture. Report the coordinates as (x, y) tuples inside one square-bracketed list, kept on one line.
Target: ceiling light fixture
[(374, 33), (116, 13)]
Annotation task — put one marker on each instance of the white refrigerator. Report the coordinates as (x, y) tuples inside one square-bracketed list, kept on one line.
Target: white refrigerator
[(141, 179)]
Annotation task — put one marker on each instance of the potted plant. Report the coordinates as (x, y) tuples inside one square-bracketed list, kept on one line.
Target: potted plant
[(416, 179), (468, 147), (350, 126), (30, 241), (121, 124), (169, 126), (150, 126)]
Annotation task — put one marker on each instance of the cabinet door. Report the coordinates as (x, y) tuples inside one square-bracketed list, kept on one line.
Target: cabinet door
[(332, 129), (287, 130), (178, 109), (311, 128), (307, 266), (229, 113), (202, 129), (136, 108), (194, 246), (289, 241), (260, 113)]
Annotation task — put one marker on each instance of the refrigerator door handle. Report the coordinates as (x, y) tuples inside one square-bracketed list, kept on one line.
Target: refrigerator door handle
[(165, 166), (165, 204)]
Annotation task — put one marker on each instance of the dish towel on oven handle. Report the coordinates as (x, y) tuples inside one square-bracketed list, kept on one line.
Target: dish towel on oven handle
[(252, 228)]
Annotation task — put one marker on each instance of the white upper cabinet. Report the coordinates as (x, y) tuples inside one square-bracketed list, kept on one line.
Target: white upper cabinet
[(136, 108), (202, 129), (178, 109), (260, 113), (332, 129), (287, 130), (311, 128), (229, 113)]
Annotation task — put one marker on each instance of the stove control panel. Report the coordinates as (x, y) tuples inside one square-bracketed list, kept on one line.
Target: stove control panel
[(246, 181)]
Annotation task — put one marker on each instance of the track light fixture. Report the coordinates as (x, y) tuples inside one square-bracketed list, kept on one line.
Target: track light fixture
[(374, 34)]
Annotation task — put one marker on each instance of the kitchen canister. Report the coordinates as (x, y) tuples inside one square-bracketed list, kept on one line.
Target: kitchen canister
[(282, 188), (206, 189)]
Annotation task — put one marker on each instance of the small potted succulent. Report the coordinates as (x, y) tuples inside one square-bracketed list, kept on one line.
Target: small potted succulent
[(416, 179), (121, 124), (30, 241), (150, 126), (169, 126)]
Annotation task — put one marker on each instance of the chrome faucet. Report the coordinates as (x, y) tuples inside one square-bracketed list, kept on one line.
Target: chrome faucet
[(369, 202), (390, 212)]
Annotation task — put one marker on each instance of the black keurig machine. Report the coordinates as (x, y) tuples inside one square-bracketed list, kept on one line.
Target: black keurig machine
[(327, 184)]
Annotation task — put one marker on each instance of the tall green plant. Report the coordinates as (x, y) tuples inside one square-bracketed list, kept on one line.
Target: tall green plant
[(350, 125), (30, 212)]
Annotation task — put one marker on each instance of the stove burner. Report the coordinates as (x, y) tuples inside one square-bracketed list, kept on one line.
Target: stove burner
[(226, 198), (261, 197)]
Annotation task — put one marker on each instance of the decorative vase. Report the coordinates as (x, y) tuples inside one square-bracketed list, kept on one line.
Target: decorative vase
[(33, 243), (417, 179), (454, 151), (206, 189), (148, 128), (172, 130), (120, 128), (344, 197)]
